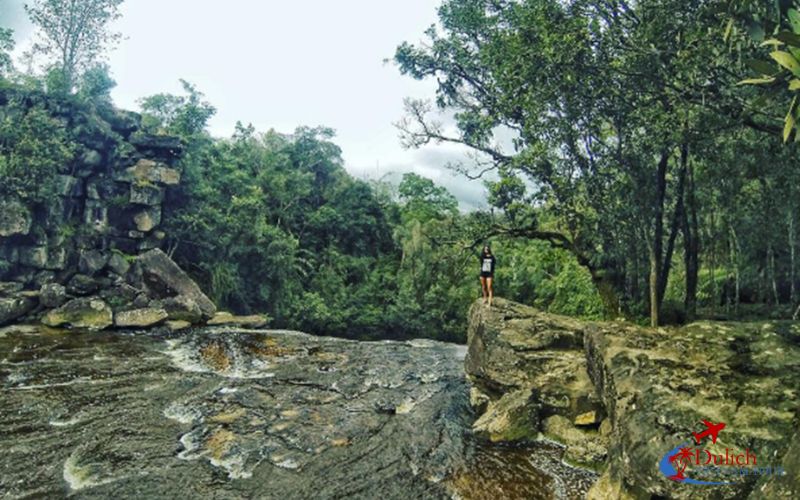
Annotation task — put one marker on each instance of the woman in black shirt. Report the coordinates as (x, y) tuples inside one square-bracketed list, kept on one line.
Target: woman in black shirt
[(487, 273)]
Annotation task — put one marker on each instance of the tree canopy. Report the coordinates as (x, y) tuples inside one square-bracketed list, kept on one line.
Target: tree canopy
[(612, 108), (72, 35)]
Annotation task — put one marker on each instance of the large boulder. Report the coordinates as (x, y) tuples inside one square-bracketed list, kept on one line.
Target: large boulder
[(164, 278), (148, 172), (121, 296), (14, 307), (92, 261), (15, 218), (530, 365), (34, 256), (659, 385), (52, 295), (81, 284), (145, 194), (90, 313), (512, 417), (182, 308), (139, 317), (56, 258), (147, 219), (648, 390), (157, 146), (118, 264)]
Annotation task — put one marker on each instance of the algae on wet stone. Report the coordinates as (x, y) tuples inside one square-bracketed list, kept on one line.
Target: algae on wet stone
[(86, 312)]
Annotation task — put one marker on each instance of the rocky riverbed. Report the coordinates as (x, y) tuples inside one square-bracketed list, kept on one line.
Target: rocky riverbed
[(225, 413)]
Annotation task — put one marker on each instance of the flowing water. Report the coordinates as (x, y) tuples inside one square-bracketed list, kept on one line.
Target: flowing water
[(220, 413)]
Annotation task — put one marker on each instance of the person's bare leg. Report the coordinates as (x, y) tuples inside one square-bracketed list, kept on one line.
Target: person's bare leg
[(483, 289), (489, 288)]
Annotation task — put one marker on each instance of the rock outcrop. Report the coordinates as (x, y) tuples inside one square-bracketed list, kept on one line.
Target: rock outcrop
[(97, 237), (636, 394), (531, 368), (163, 278)]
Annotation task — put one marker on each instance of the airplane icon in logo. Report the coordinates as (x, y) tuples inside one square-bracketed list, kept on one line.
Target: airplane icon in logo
[(711, 430)]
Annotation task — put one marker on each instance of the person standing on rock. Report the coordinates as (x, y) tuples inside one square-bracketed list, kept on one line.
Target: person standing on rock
[(487, 274)]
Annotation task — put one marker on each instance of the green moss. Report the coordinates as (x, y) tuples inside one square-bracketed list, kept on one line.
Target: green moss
[(81, 313), (67, 231), (119, 200), (128, 257)]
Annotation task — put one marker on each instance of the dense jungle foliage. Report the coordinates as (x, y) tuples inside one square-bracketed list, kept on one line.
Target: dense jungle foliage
[(644, 178)]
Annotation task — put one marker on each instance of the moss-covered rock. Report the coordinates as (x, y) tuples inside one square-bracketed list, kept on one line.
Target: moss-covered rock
[(90, 313), (143, 317), (659, 385), (786, 485), (14, 307), (584, 445), (513, 417), (530, 366), (226, 318), (651, 388), (94, 229), (15, 218)]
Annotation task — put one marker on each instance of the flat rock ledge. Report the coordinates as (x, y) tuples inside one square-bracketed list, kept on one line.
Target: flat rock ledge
[(621, 397)]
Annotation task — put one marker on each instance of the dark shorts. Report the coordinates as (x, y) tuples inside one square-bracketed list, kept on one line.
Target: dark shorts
[(486, 275)]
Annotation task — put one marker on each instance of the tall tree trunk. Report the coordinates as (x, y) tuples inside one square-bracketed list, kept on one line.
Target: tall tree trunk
[(713, 262), (677, 217), (691, 245), (656, 245), (734, 249), (773, 280), (792, 244)]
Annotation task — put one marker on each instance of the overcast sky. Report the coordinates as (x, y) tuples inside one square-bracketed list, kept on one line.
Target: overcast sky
[(281, 64)]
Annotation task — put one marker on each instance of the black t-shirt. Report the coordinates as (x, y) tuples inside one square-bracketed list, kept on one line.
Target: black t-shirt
[(487, 264)]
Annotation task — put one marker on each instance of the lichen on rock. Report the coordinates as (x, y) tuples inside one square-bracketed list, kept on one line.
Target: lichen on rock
[(531, 366), (90, 313), (620, 397)]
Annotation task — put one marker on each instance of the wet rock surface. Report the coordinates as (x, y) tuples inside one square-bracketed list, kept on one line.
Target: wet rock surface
[(90, 313), (632, 395), (228, 414), (531, 368), (225, 413), (658, 385)]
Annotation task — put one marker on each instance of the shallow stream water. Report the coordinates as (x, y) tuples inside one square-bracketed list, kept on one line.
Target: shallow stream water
[(222, 413)]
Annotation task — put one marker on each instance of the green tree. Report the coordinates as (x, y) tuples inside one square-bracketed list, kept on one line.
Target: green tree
[(604, 101), (73, 34), (6, 46), (33, 146), (183, 115), (423, 200), (775, 26)]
